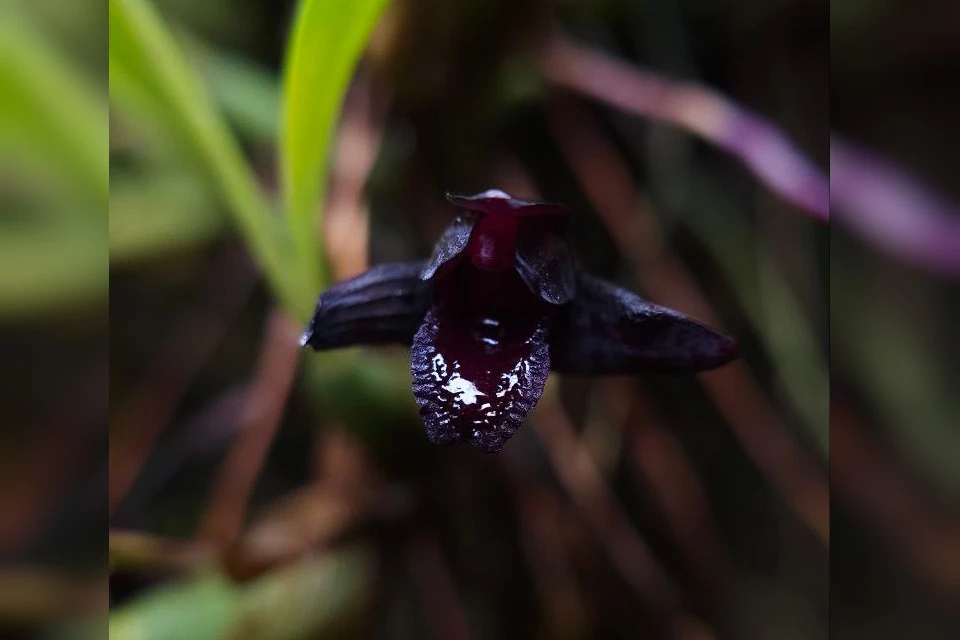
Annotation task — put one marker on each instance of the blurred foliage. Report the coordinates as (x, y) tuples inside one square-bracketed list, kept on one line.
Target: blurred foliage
[(295, 602), (894, 353), (325, 44), (893, 350), (55, 175), (150, 75)]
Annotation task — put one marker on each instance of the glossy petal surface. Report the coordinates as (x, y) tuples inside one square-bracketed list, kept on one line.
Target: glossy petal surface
[(479, 365), (383, 305), (451, 244), (545, 263), (609, 330), (493, 244)]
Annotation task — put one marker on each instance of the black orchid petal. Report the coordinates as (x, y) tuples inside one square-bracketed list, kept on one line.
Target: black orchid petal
[(545, 263), (450, 245), (609, 330), (476, 381), (496, 202), (383, 305)]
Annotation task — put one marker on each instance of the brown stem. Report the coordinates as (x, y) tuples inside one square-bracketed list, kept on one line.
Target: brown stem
[(443, 607), (602, 513), (677, 488), (228, 499), (151, 404)]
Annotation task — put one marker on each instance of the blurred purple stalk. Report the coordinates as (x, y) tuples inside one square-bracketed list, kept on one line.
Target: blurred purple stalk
[(891, 209), (760, 145), (874, 198)]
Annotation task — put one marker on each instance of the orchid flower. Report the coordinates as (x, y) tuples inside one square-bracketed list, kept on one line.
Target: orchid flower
[(499, 304)]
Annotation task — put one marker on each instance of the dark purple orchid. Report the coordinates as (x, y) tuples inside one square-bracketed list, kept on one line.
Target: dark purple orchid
[(497, 306)]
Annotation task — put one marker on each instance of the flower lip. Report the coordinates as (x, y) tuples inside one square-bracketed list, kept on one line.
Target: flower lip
[(497, 202)]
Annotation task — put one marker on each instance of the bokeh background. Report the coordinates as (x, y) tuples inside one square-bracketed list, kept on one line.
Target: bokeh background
[(255, 491)]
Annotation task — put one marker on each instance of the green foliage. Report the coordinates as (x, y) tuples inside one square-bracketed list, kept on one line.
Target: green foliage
[(163, 96), (53, 150), (152, 78), (160, 213), (248, 93), (327, 39), (51, 112), (148, 73), (43, 267), (295, 602), (53, 122)]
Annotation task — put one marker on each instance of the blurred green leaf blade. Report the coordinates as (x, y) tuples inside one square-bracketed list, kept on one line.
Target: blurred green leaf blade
[(297, 601), (51, 267), (51, 112), (168, 212), (248, 93), (149, 72), (327, 40)]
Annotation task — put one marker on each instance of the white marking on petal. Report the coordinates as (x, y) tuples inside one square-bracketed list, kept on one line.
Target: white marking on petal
[(439, 368), (466, 391)]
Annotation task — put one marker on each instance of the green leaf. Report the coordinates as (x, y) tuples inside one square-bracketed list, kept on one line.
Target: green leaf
[(160, 214), (298, 601), (328, 38), (148, 72), (204, 608), (47, 267), (302, 600), (51, 114), (248, 93)]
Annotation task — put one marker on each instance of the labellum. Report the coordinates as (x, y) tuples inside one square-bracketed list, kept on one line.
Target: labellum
[(498, 305)]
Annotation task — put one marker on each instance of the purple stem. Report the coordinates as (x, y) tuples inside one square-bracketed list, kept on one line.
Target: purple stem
[(760, 145), (874, 198), (891, 209)]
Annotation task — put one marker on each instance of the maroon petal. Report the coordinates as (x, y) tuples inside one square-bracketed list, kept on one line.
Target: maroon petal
[(545, 263), (609, 330), (476, 378), (450, 245), (383, 305), (496, 202)]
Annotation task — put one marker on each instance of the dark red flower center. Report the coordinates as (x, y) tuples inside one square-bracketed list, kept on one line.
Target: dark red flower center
[(493, 243)]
